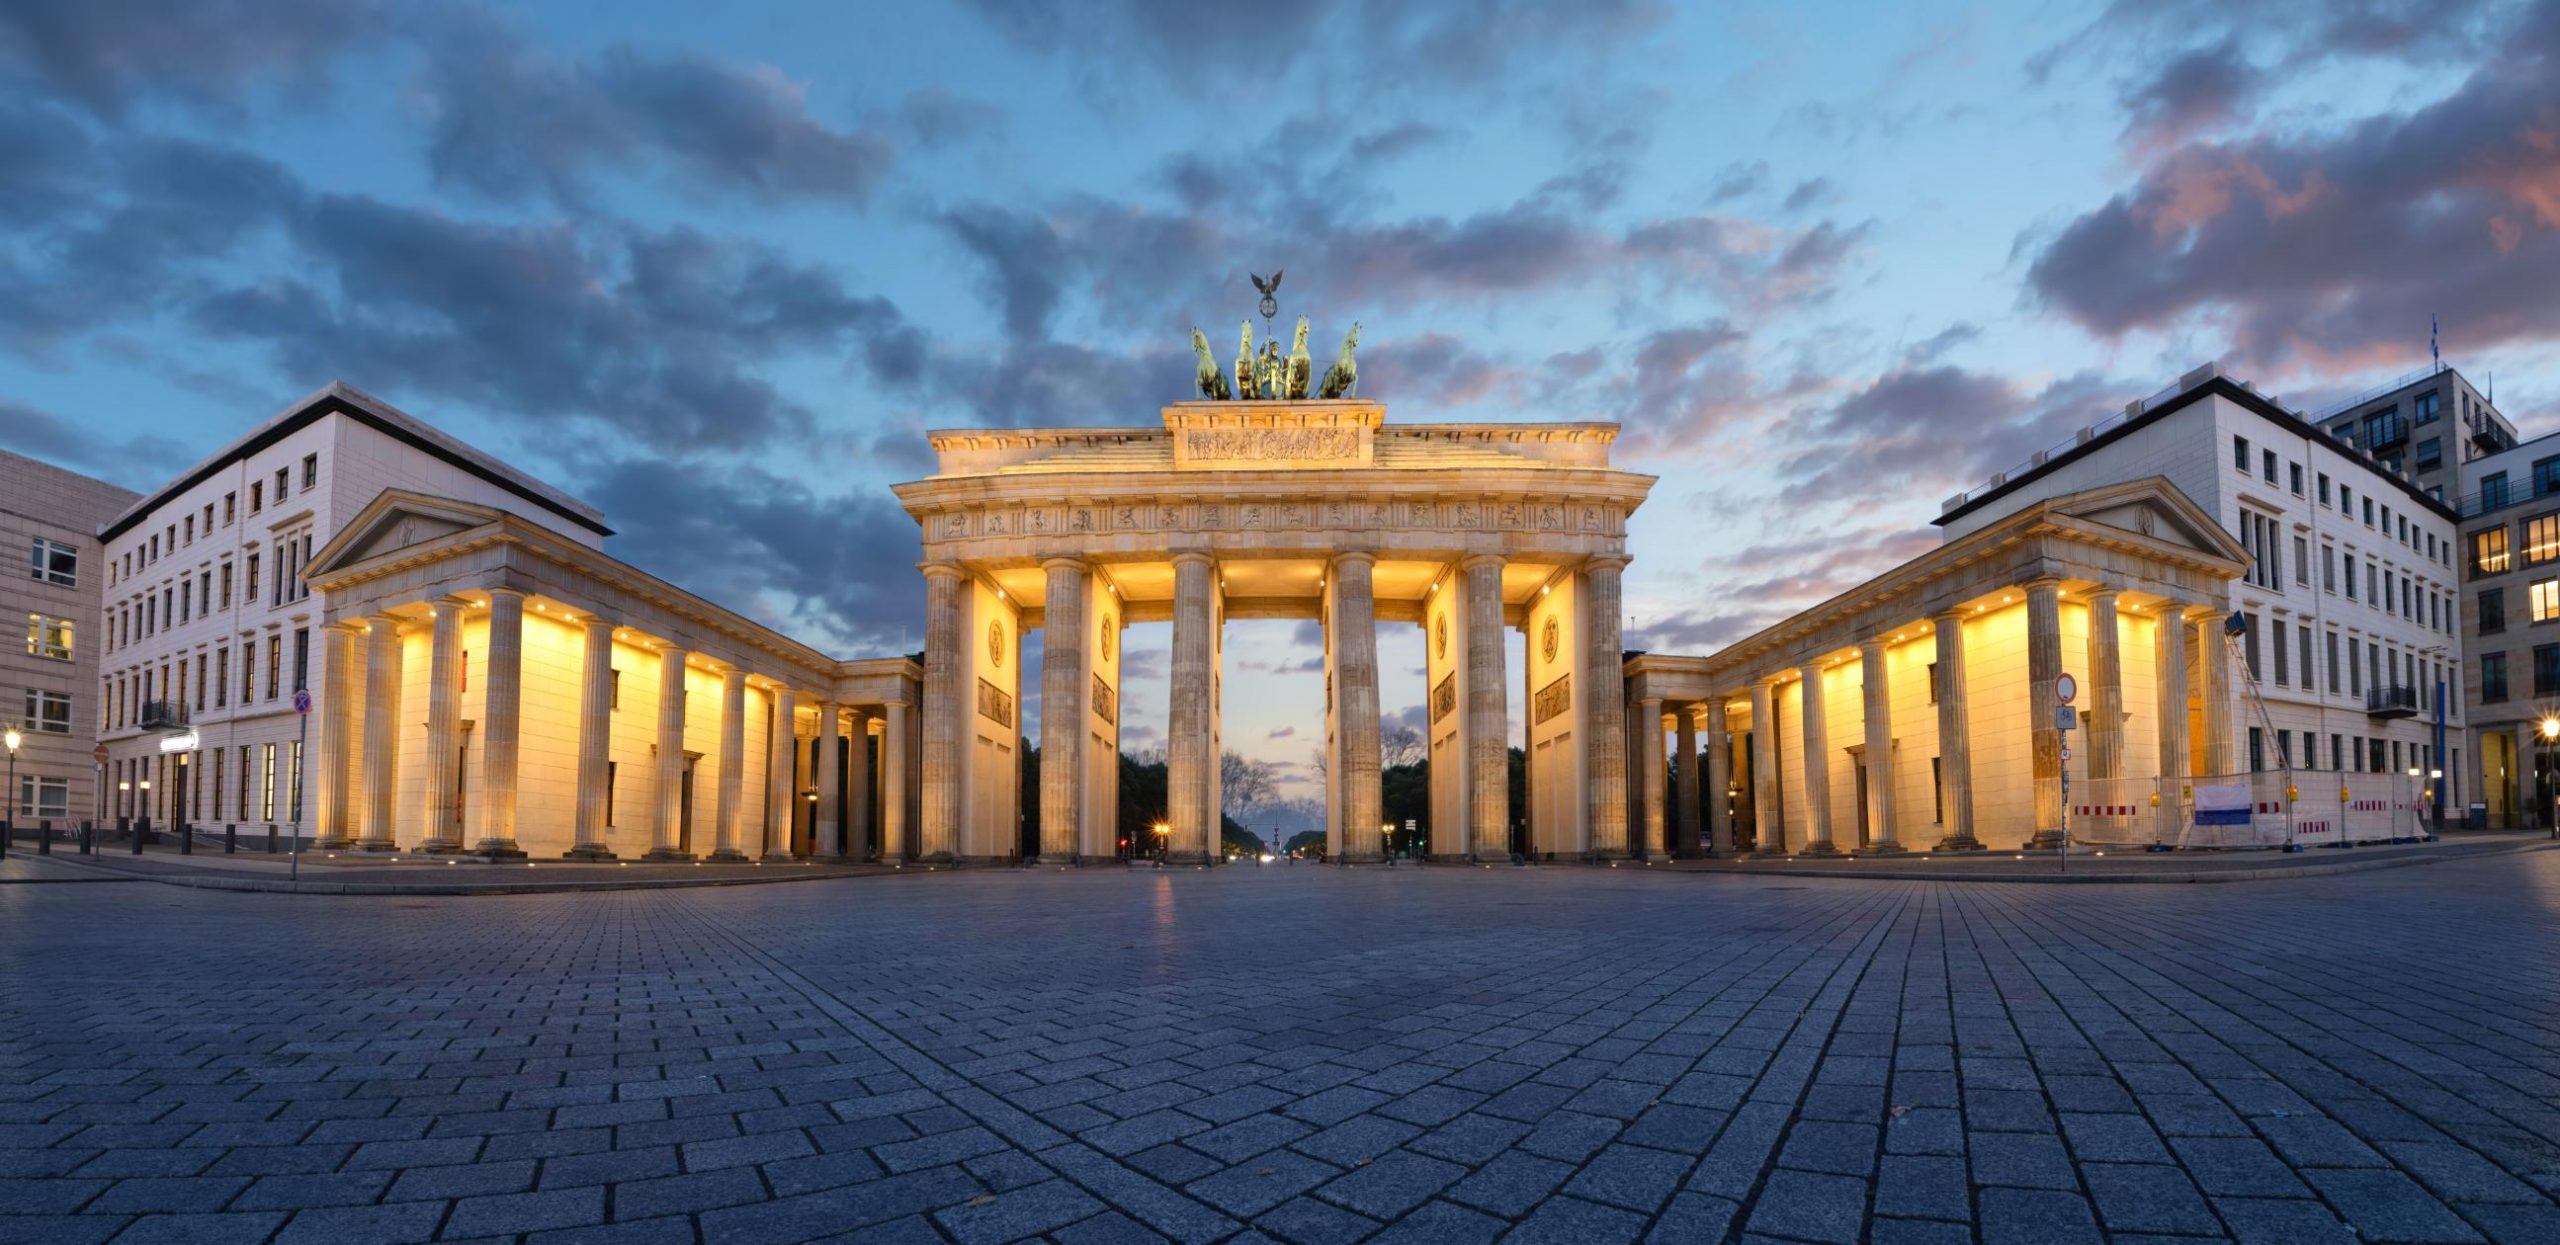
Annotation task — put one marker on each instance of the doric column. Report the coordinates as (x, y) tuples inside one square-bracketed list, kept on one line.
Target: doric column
[(1647, 754), (2044, 668), (732, 805), (334, 825), (857, 786), (1817, 765), (380, 828), (1062, 714), (595, 741), (946, 710), (1604, 701), (1684, 821), (2214, 687), (1955, 738), (1875, 676), (501, 725), (2169, 655), (1488, 712), (1719, 777), (1354, 628), (897, 773), (2105, 721), (782, 774), (444, 727), (1768, 821), (826, 834), (667, 828), (1190, 753)]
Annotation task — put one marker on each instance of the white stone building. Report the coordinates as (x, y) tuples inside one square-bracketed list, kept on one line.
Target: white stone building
[(2350, 604), (49, 518)]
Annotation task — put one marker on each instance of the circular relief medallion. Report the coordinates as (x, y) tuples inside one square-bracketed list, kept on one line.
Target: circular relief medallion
[(995, 643), (1547, 639), (1108, 627), (1441, 635)]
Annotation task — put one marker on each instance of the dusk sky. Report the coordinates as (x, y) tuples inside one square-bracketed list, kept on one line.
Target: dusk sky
[(715, 269)]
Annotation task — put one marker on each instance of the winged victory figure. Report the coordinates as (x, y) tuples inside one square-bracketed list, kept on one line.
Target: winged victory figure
[(1213, 379), (1344, 375)]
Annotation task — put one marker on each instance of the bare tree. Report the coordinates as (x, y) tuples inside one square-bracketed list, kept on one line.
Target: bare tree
[(1245, 785)]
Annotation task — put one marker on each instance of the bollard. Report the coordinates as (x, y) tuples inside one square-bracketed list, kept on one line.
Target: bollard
[(44, 837), (230, 840)]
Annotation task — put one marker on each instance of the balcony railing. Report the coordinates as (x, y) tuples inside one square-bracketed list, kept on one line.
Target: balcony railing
[(2390, 702), (164, 715)]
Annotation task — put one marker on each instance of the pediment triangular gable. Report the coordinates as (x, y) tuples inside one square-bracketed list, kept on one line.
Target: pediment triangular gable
[(2156, 509), (397, 520)]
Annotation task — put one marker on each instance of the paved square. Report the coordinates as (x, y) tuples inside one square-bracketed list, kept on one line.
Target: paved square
[(1292, 1053)]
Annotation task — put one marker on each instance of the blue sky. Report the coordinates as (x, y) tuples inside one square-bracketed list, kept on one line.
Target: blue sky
[(715, 268)]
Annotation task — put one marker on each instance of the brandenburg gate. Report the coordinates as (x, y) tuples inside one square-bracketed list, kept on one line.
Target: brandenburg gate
[(1283, 508)]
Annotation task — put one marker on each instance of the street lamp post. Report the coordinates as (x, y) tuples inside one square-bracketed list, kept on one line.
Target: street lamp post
[(9, 816)]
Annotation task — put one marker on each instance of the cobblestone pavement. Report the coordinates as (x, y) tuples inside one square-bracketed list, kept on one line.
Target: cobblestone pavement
[(1291, 1053)]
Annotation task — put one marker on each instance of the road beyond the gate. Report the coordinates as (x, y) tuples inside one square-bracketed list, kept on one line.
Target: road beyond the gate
[(1292, 1053)]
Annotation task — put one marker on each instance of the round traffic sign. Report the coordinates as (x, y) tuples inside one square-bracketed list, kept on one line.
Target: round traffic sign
[(2066, 688)]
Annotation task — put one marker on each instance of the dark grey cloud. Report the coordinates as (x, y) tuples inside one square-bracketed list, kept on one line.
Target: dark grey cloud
[(831, 570), (510, 119), (107, 55), (2330, 250)]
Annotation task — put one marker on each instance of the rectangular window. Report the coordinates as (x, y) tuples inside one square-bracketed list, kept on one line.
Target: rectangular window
[(48, 712), (2489, 554), (44, 797), (2493, 678), (2240, 454), (310, 470), (2491, 605), (275, 662), (48, 636), (55, 563)]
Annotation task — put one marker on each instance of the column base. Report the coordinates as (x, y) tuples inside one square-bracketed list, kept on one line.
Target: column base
[(1887, 849), (2045, 841), (667, 854), (1963, 843), (588, 851), (728, 856), (498, 849), (1819, 847)]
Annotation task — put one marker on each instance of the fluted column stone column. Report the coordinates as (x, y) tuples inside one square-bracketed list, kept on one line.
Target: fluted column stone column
[(946, 711), (667, 827), (1190, 750), (1488, 712), (1768, 817), (1875, 677), (782, 774), (1719, 779), (444, 727), (1354, 628), (1817, 766), (1955, 738), (1062, 711), (897, 773), (501, 726), (380, 826), (2105, 721), (334, 824), (730, 810), (595, 742), (1604, 713), (826, 825), (2044, 670), (1684, 831)]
